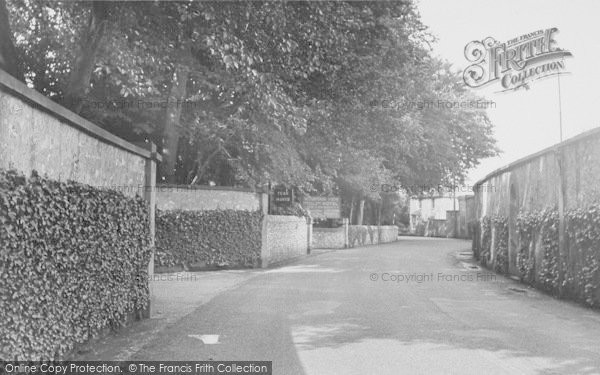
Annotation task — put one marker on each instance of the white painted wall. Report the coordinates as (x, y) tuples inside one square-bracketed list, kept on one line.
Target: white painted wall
[(432, 207)]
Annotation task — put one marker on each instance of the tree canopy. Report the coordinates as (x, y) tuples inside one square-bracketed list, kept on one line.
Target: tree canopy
[(331, 97)]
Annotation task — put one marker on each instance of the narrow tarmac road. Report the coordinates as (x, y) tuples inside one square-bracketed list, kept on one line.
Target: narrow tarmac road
[(416, 306)]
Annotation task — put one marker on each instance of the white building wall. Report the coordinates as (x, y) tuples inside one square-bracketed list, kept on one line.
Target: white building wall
[(432, 207)]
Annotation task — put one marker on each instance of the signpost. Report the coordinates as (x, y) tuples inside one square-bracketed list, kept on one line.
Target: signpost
[(283, 196), (323, 207)]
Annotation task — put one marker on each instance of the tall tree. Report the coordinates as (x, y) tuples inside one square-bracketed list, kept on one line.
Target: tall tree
[(8, 54), (83, 66), (277, 91)]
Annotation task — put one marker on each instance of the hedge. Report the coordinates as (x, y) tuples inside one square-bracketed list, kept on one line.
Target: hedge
[(73, 263), (486, 240), (576, 275), (500, 224), (583, 239), (217, 238), (484, 254)]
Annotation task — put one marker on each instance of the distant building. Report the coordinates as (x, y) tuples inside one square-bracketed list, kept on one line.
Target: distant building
[(435, 215)]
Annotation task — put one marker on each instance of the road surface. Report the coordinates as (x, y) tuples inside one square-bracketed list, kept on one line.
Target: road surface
[(416, 306)]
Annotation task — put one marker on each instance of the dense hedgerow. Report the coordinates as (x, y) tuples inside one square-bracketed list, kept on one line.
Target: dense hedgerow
[(486, 240), (576, 273), (224, 238), (500, 224), (73, 262)]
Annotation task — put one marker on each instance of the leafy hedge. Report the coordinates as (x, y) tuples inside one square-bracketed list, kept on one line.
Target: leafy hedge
[(486, 240), (73, 261), (551, 265), (577, 274), (500, 224), (224, 238), (543, 228), (527, 225), (583, 238)]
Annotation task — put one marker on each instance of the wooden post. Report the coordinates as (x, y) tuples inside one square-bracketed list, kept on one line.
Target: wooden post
[(264, 248)]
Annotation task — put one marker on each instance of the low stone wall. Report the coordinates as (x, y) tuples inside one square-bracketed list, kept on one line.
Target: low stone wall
[(286, 238), (205, 198), (388, 233), (329, 238), (360, 235)]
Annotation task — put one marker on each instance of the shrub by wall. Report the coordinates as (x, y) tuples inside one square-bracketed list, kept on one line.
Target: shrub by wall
[(583, 238), (577, 274), (476, 243), (486, 240), (527, 225), (500, 224), (224, 238), (551, 265), (545, 225), (73, 262)]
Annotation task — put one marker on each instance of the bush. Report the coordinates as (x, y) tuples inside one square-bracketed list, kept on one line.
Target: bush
[(223, 238), (583, 236), (73, 261), (551, 264), (500, 224), (579, 272), (527, 225), (486, 240)]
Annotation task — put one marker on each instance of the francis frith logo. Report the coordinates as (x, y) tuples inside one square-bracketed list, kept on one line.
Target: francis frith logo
[(515, 63)]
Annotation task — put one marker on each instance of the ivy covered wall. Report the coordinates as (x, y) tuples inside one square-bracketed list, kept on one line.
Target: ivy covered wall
[(530, 205), (73, 262)]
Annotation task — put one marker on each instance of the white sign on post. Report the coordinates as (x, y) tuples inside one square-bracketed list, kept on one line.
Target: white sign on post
[(323, 207)]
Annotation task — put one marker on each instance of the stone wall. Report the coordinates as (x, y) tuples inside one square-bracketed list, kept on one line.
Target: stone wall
[(360, 235), (329, 238), (282, 237), (201, 198), (286, 238), (38, 134), (388, 233)]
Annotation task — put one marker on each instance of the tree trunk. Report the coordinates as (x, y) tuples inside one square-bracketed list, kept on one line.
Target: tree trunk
[(8, 54), (81, 73), (351, 211), (361, 210), (173, 117)]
